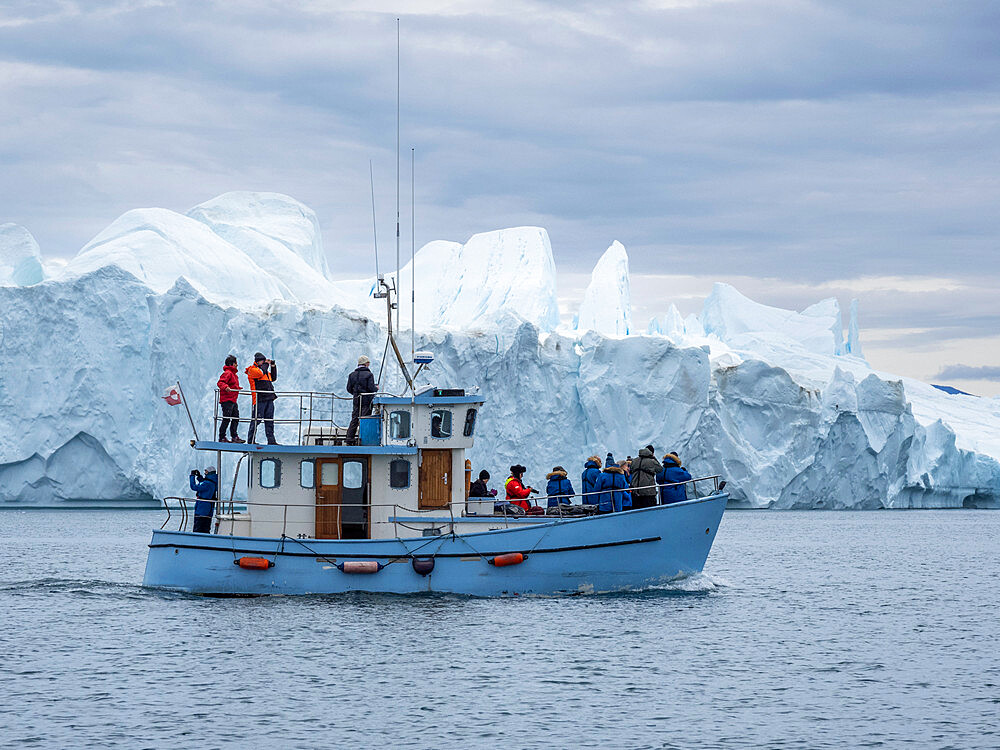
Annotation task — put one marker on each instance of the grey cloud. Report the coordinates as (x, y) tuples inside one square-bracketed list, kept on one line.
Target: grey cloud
[(966, 372)]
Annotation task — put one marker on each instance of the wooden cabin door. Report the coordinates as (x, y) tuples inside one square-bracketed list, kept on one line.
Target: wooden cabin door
[(328, 494), (435, 479)]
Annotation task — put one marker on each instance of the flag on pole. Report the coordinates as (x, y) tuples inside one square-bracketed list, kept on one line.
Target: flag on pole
[(172, 396)]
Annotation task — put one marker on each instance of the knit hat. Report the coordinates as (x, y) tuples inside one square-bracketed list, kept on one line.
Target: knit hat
[(484, 475), (258, 357), (363, 360), (210, 470)]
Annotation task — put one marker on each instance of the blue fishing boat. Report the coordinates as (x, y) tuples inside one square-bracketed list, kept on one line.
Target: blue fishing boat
[(390, 512)]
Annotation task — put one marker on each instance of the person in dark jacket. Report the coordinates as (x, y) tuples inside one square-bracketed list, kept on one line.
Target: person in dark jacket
[(559, 489), (671, 474), (359, 383), (588, 480), (204, 489), (261, 374), (643, 479), (613, 488), (479, 488), (229, 389)]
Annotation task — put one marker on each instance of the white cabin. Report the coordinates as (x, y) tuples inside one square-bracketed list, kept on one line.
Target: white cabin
[(407, 477)]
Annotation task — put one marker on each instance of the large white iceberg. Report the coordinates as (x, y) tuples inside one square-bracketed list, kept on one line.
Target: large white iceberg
[(469, 286), (279, 234), (607, 300), (158, 246), (20, 258), (775, 401)]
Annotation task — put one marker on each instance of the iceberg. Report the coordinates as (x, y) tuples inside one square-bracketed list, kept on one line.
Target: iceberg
[(20, 257), (774, 400), (158, 246), (278, 234), (469, 285), (607, 301)]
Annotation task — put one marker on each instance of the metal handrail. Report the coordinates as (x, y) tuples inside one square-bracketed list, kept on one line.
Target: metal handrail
[(309, 403)]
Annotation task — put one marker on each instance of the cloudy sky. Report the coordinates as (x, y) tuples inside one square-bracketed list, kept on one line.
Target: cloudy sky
[(798, 149)]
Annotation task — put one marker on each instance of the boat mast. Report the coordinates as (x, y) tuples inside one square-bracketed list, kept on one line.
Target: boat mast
[(413, 263), (397, 284), (387, 290)]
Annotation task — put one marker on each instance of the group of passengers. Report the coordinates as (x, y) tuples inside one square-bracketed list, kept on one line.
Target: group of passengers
[(261, 376), (612, 486)]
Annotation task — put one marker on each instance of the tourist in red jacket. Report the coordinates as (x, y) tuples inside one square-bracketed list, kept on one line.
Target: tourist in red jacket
[(517, 492), (229, 389)]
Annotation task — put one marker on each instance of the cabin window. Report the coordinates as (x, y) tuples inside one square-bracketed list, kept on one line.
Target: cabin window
[(399, 473), (441, 423), (353, 475), (270, 473), (399, 425), (307, 474), (329, 474), (470, 423)]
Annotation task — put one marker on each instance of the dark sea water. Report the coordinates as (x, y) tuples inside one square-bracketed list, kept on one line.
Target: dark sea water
[(808, 630)]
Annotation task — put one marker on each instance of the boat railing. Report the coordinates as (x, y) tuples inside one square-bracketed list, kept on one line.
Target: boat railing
[(229, 514), (313, 413), (715, 479)]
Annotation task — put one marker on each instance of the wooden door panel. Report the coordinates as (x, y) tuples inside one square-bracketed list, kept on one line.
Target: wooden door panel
[(328, 498), (435, 479)]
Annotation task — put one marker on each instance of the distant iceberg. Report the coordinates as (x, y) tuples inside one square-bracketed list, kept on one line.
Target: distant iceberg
[(781, 403)]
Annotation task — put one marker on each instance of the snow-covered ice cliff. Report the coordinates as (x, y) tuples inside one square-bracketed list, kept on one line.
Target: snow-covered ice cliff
[(776, 401)]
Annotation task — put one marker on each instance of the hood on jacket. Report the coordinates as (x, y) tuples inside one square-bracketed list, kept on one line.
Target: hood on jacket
[(556, 475), (612, 469), (231, 368), (646, 453), (671, 459), (595, 461)]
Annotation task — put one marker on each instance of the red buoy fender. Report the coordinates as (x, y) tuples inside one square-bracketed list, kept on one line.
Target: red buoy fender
[(254, 563), (511, 558), (360, 566)]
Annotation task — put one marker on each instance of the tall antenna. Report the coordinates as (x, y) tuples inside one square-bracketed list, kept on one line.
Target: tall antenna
[(397, 164), (371, 174), (413, 262)]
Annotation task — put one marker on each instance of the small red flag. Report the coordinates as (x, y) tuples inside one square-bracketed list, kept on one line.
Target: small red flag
[(172, 396)]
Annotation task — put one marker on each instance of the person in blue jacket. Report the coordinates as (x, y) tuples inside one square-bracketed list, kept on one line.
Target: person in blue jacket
[(672, 473), (613, 487), (588, 481), (559, 489), (204, 489)]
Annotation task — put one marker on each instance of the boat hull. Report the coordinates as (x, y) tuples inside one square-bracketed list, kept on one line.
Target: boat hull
[(624, 551)]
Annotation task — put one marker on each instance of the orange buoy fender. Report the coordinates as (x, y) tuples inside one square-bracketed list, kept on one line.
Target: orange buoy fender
[(360, 566), (511, 558), (254, 563)]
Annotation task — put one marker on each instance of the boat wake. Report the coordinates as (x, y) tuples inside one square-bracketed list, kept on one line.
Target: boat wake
[(81, 587), (696, 583)]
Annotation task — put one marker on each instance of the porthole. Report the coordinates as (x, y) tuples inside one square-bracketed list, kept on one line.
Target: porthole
[(270, 473)]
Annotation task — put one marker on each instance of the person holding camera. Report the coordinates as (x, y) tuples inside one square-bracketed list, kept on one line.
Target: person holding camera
[(205, 489), (261, 374), (517, 492)]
